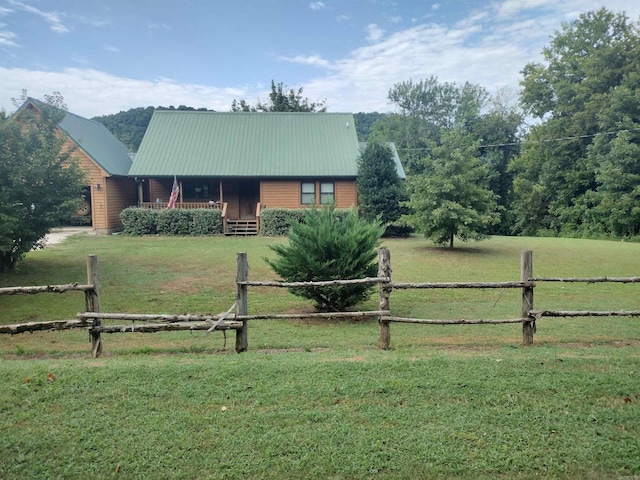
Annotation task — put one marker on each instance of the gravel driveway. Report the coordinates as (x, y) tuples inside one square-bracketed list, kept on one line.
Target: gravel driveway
[(57, 235)]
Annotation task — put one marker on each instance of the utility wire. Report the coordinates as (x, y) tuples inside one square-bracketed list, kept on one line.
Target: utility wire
[(546, 140)]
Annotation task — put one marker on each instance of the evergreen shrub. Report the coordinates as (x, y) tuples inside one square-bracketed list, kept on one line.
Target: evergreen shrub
[(329, 245)]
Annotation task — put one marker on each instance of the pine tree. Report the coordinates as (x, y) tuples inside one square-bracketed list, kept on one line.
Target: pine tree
[(380, 190)]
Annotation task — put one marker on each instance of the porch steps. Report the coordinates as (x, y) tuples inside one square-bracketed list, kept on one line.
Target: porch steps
[(241, 228)]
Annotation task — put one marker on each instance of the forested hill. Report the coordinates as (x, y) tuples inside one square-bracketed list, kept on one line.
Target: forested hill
[(129, 126), (364, 123)]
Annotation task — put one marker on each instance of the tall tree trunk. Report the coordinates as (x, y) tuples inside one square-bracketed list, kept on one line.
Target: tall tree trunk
[(451, 240)]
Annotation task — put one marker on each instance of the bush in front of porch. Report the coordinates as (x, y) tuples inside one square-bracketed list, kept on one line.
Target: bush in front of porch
[(178, 221)]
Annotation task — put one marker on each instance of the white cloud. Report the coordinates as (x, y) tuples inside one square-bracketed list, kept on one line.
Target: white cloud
[(111, 48), (343, 18), (90, 92), (317, 5), (361, 81), (52, 18), (374, 32), (7, 37), (312, 60), (480, 49), (435, 6), (511, 8), (158, 26)]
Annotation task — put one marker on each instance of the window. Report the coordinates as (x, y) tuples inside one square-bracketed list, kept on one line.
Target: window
[(195, 190), (327, 193), (308, 193)]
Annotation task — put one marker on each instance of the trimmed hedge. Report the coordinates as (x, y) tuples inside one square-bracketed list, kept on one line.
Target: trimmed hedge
[(139, 221), (177, 221), (275, 222)]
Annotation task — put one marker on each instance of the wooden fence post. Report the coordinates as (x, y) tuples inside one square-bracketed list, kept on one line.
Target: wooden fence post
[(242, 275), (526, 274), (92, 303), (384, 270)]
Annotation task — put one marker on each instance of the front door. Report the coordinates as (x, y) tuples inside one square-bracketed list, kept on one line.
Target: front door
[(249, 193)]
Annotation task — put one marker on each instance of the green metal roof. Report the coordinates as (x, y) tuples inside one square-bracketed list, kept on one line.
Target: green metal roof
[(99, 143), (239, 144)]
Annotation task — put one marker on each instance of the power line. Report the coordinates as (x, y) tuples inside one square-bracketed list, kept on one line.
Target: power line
[(560, 139), (546, 140)]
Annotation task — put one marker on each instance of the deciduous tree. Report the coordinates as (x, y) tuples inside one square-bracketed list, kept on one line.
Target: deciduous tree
[(452, 198), (578, 172), (40, 183), (281, 100)]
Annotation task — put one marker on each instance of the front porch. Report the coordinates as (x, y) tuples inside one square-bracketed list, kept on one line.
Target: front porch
[(230, 226)]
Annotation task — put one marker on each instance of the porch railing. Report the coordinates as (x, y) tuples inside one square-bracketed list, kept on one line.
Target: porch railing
[(187, 205)]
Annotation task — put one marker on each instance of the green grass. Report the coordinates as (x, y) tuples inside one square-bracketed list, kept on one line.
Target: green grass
[(317, 399)]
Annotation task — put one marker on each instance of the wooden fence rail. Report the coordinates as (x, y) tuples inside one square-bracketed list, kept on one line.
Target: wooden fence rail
[(92, 304), (45, 289), (92, 317)]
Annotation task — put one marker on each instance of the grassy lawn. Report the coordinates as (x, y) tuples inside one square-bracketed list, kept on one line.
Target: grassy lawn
[(317, 399)]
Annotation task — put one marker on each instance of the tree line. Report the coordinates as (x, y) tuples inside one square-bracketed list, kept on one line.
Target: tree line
[(474, 167)]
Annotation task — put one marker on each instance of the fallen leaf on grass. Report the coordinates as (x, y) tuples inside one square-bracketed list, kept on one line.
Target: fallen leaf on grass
[(51, 377), (223, 409)]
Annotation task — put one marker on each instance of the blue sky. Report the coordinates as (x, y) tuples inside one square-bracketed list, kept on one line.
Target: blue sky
[(105, 56)]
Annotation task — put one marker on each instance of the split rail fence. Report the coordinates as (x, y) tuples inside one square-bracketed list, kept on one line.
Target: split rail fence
[(91, 318)]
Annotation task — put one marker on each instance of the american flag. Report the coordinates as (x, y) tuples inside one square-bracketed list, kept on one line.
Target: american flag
[(174, 194)]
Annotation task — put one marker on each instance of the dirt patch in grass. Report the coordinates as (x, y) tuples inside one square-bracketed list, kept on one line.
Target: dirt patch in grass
[(272, 351), (467, 348), (191, 284), (625, 343), (584, 345)]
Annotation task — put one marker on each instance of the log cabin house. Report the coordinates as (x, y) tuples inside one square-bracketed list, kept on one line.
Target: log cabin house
[(106, 162), (242, 163), (238, 162)]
